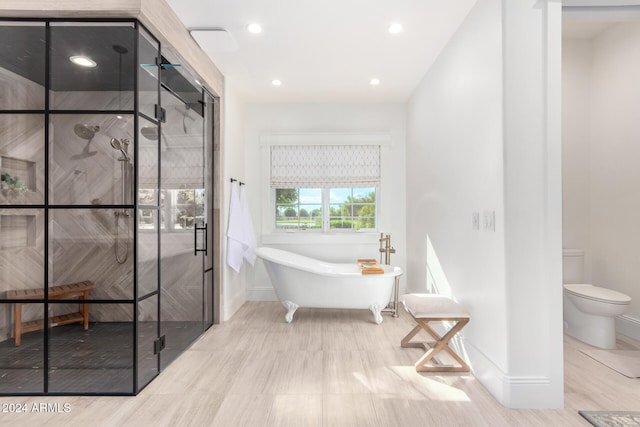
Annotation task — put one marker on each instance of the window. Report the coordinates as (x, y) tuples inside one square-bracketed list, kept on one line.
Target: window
[(179, 209), (185, 208), (298, 208), (325, 187), (352, 208), (325, 208)]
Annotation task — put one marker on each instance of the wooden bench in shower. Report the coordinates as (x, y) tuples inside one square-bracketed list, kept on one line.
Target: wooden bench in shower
[(78, 290)]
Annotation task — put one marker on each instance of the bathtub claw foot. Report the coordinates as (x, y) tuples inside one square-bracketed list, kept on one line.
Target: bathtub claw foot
[(377, 313), (291, 307)]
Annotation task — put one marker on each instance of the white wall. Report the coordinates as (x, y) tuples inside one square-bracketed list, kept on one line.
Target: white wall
[(576, 69), (603, 140), (481, 138), (316, 119), (234, 292), (454, 168), (533, 202)]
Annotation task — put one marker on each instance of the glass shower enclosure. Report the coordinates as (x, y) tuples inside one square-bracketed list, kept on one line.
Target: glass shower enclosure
[(106, 154)]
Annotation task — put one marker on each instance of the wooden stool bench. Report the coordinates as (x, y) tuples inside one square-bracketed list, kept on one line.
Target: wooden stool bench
[(427, 308), (74, 290)]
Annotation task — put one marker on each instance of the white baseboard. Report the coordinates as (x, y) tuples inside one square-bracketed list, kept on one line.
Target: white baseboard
[(629, 326), (513, 391), (232, 305), (263, 293), (533, 393)]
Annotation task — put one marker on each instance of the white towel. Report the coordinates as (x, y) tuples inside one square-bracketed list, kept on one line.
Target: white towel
[(235, 231), (249, 236)]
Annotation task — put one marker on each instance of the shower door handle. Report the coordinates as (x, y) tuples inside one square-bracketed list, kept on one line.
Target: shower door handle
[(195, 239)]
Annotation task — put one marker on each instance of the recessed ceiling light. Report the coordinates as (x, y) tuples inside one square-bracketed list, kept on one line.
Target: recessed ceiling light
[(83, 61), (374, 82), (395, 28), (276, 82), (254, 28)]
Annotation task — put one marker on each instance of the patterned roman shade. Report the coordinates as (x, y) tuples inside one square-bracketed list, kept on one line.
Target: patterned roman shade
[(183, 168), (325, 166)]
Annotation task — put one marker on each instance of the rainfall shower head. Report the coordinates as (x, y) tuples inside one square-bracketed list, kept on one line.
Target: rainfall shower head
[(120, 49), (123, 146), (86, 131), (151, 133)]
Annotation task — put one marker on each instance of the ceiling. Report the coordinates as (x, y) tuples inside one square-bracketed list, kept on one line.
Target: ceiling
[(323, 51), (26, 52)]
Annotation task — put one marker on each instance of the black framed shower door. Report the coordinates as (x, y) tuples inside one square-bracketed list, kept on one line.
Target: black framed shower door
[(105, 190)]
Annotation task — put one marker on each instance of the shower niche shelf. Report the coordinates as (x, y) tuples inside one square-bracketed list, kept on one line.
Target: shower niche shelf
[(17, 231), (18, 175)]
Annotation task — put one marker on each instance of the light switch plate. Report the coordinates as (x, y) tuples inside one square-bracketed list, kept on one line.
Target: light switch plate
[(489, 221)]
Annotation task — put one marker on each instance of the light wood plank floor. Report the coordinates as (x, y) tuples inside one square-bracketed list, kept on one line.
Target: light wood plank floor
[(327, 368)]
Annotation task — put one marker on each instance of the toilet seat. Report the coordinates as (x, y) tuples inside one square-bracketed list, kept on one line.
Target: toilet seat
[(597, 293)]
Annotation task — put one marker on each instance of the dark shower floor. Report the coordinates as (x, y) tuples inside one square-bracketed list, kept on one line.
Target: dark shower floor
[(99, 360)]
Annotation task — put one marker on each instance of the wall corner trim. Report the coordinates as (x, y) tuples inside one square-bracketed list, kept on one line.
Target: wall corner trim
[(513, 391)]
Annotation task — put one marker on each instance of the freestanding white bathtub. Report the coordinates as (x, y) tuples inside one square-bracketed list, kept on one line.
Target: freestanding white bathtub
[(300, 281)]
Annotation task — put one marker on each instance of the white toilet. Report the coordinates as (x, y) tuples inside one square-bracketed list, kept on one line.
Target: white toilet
[(589, 311)]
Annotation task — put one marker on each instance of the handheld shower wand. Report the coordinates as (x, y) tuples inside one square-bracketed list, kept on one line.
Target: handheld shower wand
[(123, 146)]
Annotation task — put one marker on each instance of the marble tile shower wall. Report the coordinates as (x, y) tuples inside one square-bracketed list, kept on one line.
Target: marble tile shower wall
[(21, 230), (81, 172), (19, 92), (82, 242), (87, 172)]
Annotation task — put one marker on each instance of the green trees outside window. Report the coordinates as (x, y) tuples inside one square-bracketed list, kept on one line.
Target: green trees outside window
[(345, 208)]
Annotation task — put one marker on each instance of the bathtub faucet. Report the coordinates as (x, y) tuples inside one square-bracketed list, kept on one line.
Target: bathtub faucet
[(387, 250)]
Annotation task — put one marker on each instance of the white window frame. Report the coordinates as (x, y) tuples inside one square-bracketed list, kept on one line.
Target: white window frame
[(326, 217), (270, 235)]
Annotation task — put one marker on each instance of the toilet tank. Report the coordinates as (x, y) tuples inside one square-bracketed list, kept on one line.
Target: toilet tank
[(572, 266)]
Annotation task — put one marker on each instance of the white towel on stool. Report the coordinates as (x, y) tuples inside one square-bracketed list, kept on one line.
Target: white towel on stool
[(235, 231)]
